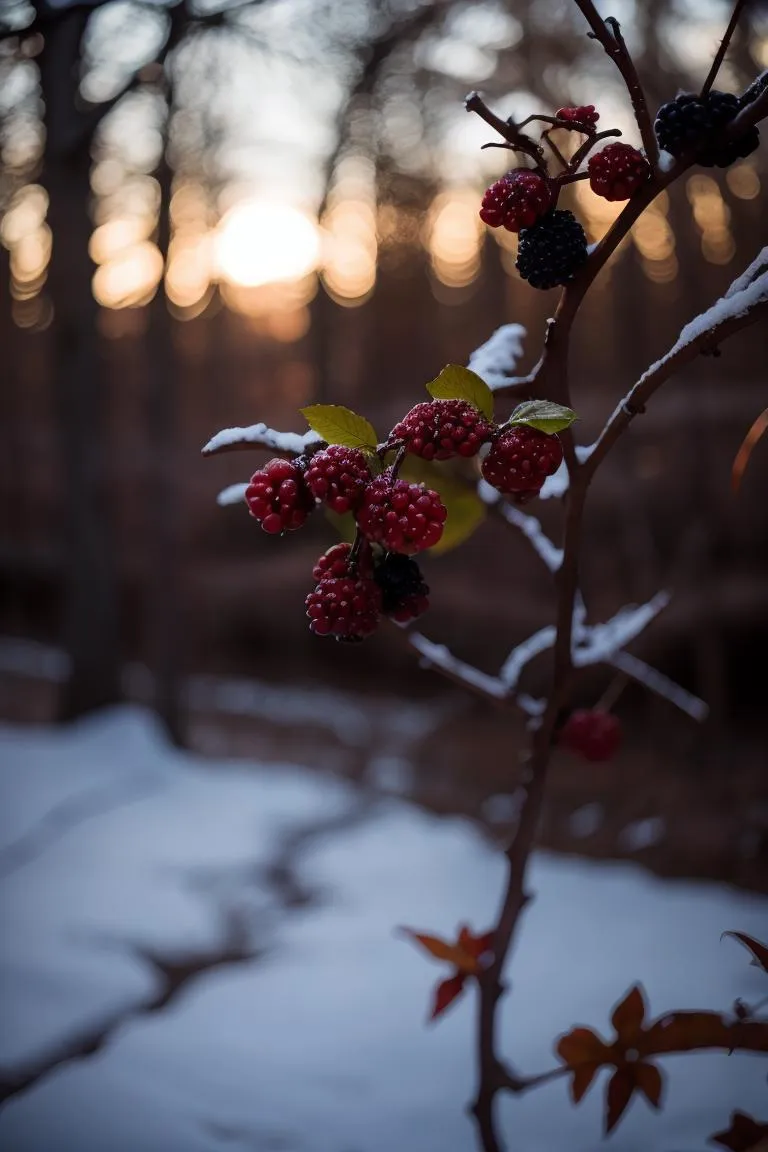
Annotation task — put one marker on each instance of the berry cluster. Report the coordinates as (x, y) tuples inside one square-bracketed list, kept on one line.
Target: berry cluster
[(694, 124), (356, 585)]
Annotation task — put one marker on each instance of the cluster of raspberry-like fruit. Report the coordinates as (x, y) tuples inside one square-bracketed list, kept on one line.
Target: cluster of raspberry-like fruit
[(553, 245), (358, 584)]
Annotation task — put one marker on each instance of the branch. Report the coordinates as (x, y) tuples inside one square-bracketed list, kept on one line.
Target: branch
[(740, 307), (260, 436), (655, 681), (720, 54), (437, 656), (615, 47), (506, 129), (530, 527)]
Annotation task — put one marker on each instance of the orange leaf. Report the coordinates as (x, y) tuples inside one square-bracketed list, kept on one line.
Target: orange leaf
[(745, 451), (583, 1075), (620, 1088), (440, 949), (744, 1134), (445, 993), (582, 1046), (648, 1080), (627, 1017), (759, 951)]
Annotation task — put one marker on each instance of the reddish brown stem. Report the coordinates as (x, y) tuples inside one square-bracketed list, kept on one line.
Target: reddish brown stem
[(720, 54)]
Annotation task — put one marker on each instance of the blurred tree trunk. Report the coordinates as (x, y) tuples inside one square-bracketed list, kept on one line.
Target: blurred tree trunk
[(163, 592), (90, 596)]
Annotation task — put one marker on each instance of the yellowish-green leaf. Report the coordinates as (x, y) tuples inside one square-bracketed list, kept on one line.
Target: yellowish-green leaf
[(543, 415), (340, 425), (458, 383), (466, 511), (344, 525)]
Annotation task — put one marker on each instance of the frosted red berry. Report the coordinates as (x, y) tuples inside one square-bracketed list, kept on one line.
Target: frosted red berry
[(516, 201), (347, 607), (617, 172), (336, 561), (338, 476), (583, 115), (593, 734), (278, 497), (405, 596), (521, 459), (440, 429), (403, 517)]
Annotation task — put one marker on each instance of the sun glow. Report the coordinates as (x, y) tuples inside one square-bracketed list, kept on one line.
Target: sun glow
[(258, 243)]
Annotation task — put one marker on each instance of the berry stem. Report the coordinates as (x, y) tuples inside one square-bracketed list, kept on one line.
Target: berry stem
[(402, 452), (608, 33), (545, 136), (588, 145), (505, 128), (720, 54)]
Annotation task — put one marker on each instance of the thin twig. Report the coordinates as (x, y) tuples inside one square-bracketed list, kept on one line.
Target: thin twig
[(720, 54), (506, 129)]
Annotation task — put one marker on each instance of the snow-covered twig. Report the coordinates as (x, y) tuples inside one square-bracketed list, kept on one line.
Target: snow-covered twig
[(657, 682), (437, 656), (497, 359), (530, 527), (260, 436), (513, 665), (601, 641), (234, 494)]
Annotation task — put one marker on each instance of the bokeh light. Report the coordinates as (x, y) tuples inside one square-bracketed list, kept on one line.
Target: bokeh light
[(453, 237), (258, 242)]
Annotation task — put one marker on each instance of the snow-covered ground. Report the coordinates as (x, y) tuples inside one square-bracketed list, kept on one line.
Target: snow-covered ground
[(123, 861)]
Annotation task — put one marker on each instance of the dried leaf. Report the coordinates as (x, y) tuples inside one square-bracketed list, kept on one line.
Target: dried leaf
[(440, 949), (445, 993), (544, 415), (743, 1135), (583, 1076), (582, 1046), (649, 1081), (745, 451), (458, 383), (620, 1088), (759, 951), (627, 1017), (339, 425)]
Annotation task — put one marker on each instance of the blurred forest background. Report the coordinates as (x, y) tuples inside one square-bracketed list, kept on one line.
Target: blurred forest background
[(213, 215)]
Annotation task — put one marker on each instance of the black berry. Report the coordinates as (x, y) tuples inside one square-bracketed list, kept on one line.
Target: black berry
[(552, 251)]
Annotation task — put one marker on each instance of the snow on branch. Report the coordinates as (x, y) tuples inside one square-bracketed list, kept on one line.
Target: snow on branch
[(530, 527), (602, 641), (234, 494), (756, 269), (656, 682), (259, 435), (513, 665), (439, 657), (497, 358)]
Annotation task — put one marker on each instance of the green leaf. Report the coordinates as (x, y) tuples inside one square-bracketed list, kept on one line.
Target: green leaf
[(458, 383), (543, 415), (466, 511), (344, 525), (340, 425)]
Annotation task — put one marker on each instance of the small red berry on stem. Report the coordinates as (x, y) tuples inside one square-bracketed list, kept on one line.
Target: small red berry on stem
[(338, 476), (617, 172), (593, 734), (347, 607), (278, 497), (440, 429), (516, 201), (337, 561), (521, 459), (584, 116), (403, 517)]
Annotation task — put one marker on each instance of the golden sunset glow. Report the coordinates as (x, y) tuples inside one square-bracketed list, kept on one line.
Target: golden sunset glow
[(258, 242), (453, 237), (350, 250)]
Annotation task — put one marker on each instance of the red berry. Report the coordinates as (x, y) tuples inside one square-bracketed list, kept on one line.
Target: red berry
[(347, 607), (521, 459), (618, 171), (278, 497), (404, 517), (338, 476), (440, 429), (516, 201), (592, 734), (583, 116), (335, 562)]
